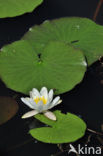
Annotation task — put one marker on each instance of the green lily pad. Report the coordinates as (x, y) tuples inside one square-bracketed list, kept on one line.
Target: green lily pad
[(68, 128), (10, 8), (82, 33), (60, 66), (8, 108)]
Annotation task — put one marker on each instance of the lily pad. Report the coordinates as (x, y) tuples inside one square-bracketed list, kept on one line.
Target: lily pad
[(10, 8), (8, 108), (68, 128), (82, 33), (59, 66)]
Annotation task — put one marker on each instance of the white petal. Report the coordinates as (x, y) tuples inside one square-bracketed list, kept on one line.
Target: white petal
[(60, 101), (50, 95), (46, 107), (50, 115), (39, 106), (56, 100), (35, 92), (32, 95), (29, 102), (44, 92), (29, 114)]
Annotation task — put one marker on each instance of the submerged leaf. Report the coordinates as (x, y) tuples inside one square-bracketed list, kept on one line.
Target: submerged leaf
[(8, 108), (59, 66), (68, 128)]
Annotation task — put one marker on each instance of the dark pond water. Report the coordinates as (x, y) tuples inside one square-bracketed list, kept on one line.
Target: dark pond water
[(86, 100)]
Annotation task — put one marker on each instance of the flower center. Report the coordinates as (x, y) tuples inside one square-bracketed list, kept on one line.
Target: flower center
[(37, 99)]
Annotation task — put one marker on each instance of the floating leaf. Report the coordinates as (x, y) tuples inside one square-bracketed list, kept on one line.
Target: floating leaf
[(60, 66), (8, 108), (67, 128), (10, 8), (80, 32)]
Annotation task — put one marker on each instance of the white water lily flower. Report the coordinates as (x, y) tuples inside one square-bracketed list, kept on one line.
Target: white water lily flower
[(41, 102)]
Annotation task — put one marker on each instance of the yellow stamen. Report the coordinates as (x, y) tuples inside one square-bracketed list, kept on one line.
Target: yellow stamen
[(43, 100), (37, 99)]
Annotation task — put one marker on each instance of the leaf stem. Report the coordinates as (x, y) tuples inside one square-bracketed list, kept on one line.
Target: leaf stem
[(98, 133), (97, 10), (60, 147)]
